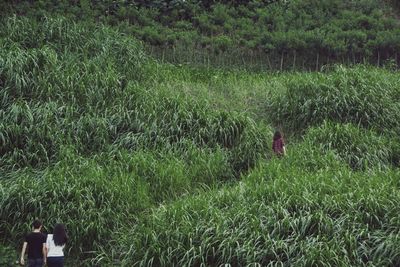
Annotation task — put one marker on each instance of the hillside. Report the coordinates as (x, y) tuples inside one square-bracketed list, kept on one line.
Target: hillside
[(172, 164), (85, 124)]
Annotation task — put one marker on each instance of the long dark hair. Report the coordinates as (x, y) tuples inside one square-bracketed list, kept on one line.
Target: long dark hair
[(277, 135), (59, 235)]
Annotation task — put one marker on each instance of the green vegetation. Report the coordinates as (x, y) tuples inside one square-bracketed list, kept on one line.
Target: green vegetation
[(8, 256), (363, 95), (293, 34), (278, 215), (88, 139), (172, 165), (360, 148)]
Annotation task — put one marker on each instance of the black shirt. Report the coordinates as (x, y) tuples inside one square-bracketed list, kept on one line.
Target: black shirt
[(35, 245)]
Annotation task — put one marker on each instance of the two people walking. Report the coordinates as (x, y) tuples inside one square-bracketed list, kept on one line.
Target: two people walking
[(44, 250)]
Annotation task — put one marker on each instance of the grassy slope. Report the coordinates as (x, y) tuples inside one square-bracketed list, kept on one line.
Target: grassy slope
[(279, 214), (331, 201), (290, 209), (85, 123)]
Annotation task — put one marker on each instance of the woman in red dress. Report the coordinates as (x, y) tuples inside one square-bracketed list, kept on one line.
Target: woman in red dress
[(278, 145)]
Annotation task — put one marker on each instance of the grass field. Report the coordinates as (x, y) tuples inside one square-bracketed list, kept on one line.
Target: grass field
[(172, 165)]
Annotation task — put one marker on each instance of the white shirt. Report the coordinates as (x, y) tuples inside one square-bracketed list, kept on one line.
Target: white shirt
[(52, 249)]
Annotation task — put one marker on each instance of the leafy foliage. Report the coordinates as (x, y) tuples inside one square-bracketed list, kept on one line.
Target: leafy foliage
[(300, 34)]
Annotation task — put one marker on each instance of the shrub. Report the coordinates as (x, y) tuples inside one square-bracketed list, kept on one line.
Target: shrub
[(222, 43)]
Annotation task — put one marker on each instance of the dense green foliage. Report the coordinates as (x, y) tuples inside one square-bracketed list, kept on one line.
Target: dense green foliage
[(86, 83), (8, 256), (278, 215), (173, 165), (278, 34), (310, 208), (360, 148), (364, 96), (88, 140)]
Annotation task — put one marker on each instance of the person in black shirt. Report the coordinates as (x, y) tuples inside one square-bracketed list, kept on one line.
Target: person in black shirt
[(36, 243)]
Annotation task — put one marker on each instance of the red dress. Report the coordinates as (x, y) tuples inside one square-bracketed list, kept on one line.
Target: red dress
[(277, 146)]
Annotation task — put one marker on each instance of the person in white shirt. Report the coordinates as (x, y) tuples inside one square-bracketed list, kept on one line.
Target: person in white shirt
[(55, 244)]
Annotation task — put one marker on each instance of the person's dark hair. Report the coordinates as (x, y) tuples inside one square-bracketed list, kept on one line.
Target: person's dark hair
[(277, 135), (36, 224), (59, 235)]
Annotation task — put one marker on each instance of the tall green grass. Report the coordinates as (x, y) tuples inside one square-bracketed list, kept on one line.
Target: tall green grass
[(360, 148), (362, 95), (89, 81), (94, 196), (280, 214), (89, 138), (168, 163)]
